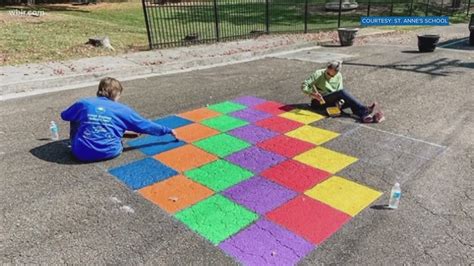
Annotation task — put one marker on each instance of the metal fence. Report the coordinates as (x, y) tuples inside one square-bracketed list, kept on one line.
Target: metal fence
[(185, 22)]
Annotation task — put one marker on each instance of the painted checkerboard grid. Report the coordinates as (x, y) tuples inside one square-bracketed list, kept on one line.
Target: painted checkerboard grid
[(236, 115)]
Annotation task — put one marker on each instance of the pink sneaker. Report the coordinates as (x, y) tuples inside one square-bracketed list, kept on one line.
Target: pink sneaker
[(379, 117)]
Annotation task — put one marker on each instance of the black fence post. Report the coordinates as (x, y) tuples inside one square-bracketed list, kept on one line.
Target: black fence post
[(216, 16), (305, 16), (267, 16), (468, 7), (427, 7), (391, 8), (442, 6), (411, 8), (339, 16), (148, 32), (368, 9)]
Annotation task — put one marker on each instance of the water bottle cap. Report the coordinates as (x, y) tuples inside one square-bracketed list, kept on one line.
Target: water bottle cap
[(52, 122)]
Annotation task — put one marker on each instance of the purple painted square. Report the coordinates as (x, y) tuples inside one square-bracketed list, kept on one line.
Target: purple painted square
[(255, 159), (249, 100), (253, 134), (265, 243), (250, 115), (259, 194)]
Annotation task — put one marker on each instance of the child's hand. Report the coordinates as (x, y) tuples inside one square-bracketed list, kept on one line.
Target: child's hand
[(317, 96), (173, 132)]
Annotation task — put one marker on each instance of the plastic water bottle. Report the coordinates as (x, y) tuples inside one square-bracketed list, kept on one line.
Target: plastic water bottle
[(395, 196), (54, 131)]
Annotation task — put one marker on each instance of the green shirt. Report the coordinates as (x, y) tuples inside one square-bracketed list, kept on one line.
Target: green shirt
[(324, 86)]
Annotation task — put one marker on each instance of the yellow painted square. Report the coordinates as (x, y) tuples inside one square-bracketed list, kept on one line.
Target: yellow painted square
[(302, 116), (313, 135), (344, 195), (326, 159)]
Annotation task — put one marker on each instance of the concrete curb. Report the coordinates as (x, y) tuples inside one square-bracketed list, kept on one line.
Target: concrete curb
[(130, 69)]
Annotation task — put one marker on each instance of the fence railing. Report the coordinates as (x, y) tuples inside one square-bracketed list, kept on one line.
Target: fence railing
[(180, 22)]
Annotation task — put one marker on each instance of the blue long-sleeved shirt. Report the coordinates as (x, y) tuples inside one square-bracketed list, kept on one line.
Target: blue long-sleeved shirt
[(98, 125)]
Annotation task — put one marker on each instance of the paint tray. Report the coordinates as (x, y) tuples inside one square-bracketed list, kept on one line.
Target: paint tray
[(333, 111)]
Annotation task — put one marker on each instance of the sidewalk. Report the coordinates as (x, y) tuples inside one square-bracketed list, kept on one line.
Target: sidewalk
[(32, 79)]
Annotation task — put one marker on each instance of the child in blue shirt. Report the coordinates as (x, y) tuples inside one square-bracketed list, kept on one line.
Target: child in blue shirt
[(99, 123)]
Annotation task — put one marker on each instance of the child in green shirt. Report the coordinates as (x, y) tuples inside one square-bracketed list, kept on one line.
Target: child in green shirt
[(325, 88)]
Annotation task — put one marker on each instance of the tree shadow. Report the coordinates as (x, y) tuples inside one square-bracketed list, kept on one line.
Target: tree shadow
[(437, 67), (55, 152)]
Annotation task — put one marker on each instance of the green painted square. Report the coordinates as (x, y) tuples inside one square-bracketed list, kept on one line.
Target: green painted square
[(219, 175), (226, 107), (222, 145), (224, 123), (216, 218)]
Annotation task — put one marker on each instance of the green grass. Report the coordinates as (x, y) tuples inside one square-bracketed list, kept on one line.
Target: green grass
[(61, 34)]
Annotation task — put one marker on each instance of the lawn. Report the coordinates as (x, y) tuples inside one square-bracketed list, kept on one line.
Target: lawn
[(62, 32)]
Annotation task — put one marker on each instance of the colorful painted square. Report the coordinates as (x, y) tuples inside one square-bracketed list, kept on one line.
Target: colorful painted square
[(312, 134), (250, 115), (199, 114), (195, 132), (344, 195), (173, 121), (259, 194), (249, 100), (295, 175), (216, 218), (226, 107), (302, 116), (142, 173), (255, 159), (279, 124), (185, 158), (309, 218), (219, 175), (175, 193), (286, 146), (151, 145), (273, 108), (326, 159), (224, 123), (265, 243), (252, 134), (222, 145)]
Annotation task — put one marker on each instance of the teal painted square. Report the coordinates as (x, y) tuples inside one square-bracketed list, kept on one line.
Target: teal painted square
[(224, 123), (173, 121), (226, 107), (222, 145), (219, 175), (142, 173), (216, 218)]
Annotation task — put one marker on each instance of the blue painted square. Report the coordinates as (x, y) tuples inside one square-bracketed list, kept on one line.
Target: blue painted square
[(151, 145), (173, 121), (142, 173)]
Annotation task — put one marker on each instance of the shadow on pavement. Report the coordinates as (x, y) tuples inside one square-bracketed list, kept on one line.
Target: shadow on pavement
[(55, 152), (381, 207), (437, 67)]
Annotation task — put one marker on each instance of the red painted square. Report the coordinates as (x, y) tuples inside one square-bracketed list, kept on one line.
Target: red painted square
[(286, 146), (279, 124), (295, 175), (308, 218), (274, 108)]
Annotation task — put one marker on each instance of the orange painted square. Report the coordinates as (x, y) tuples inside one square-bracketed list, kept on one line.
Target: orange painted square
[(195, 132), (199, 114), (175, 193), (185, 158)]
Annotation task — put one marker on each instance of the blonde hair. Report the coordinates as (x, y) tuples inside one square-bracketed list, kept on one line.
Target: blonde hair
[(110, 88)]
